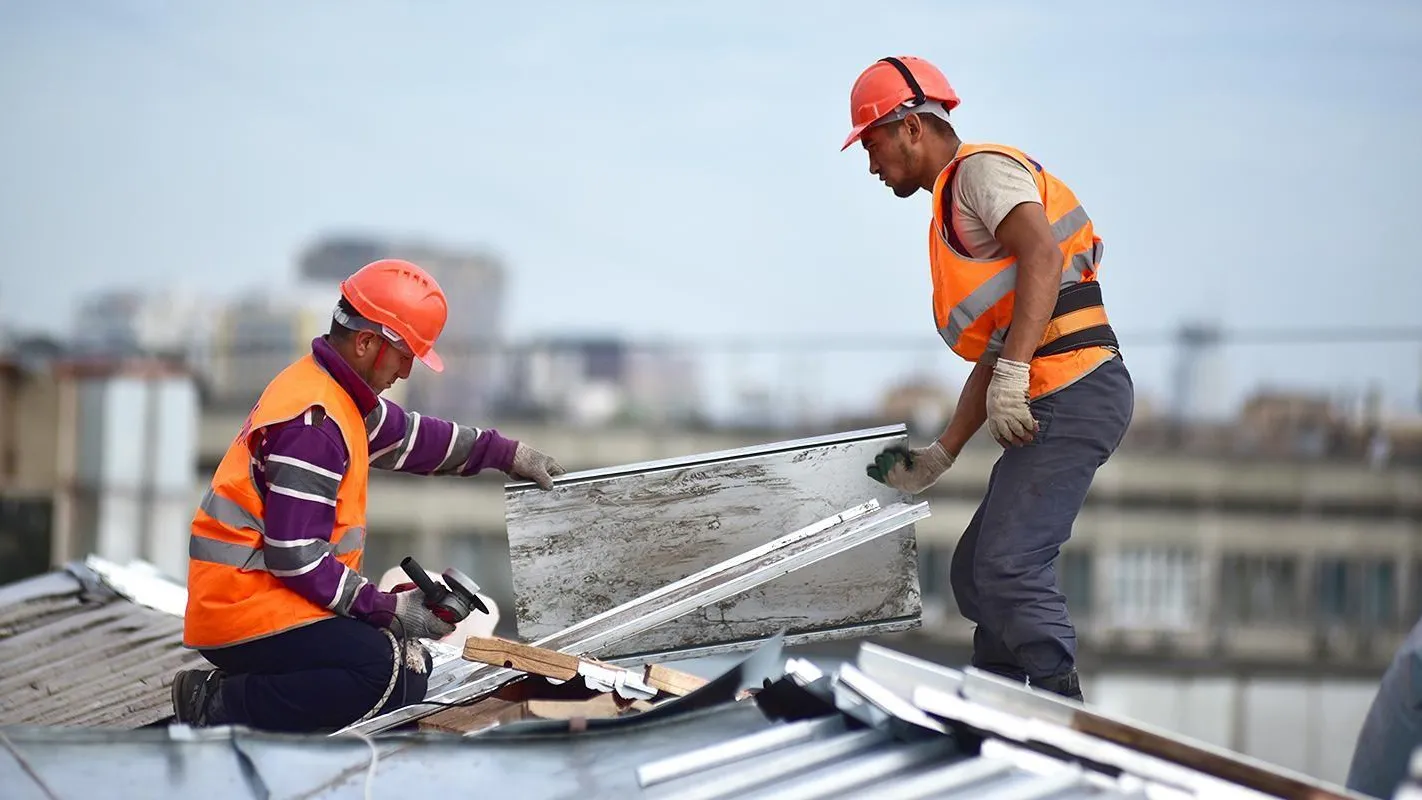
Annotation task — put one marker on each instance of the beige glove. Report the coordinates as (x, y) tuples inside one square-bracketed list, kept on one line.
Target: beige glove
[(1008, 415), (416, 621), (532, 465), (910, 471)]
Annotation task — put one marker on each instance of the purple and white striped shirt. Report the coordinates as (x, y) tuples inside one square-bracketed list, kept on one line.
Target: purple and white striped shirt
[(299, 465)]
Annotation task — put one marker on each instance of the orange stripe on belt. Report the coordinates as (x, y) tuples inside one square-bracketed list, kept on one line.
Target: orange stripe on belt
[(1067, 324)]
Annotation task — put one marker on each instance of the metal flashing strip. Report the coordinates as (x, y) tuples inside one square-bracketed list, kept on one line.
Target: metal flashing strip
[(791, 640), (856, 773), (900, 673), (716, 457), (871, 703), (802, 758), (804, 547), (1170, 763), (754, 744), (937, 781)]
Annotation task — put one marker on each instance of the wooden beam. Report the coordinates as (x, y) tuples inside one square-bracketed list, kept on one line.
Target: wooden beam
[(562, 666)]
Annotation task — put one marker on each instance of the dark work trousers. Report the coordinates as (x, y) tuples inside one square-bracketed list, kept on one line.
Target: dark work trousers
[(1392, 729), (316, 678), (1004, 568)]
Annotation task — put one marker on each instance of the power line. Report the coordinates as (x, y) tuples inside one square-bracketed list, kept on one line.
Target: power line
[(874, 342)]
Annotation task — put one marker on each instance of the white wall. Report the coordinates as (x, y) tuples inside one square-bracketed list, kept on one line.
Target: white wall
[(1305, 725)]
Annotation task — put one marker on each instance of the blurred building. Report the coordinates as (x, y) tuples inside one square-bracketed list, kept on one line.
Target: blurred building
[(923, 404), (97, 456), (174, 322), (1200, 383), (598, 380), (473, 281)]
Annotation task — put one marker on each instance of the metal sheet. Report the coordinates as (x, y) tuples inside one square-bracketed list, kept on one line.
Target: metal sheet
[(602, 538), (734, 750), (594, 636)]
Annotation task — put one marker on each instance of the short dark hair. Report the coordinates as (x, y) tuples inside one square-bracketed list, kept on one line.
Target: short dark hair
[(339, 331), (937, 124)]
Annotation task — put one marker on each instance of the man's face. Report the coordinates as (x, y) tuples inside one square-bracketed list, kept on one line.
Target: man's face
[(381, 362), (892, 157)]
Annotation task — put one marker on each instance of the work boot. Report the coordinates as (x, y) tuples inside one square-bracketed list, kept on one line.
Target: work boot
[(1066, 684), (197, 697)]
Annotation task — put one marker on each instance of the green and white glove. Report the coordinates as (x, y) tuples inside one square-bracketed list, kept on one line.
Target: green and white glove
[(910, 471)]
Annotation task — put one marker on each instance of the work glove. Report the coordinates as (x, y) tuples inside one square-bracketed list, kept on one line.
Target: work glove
[(910, 471), (417, 621), (1009, 417), (532, 465)]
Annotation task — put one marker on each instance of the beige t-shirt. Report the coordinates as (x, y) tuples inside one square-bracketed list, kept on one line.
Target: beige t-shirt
[(985, 188)]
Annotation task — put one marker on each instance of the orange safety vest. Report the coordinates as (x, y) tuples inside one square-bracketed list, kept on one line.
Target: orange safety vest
[(232, 597), (973, 298)]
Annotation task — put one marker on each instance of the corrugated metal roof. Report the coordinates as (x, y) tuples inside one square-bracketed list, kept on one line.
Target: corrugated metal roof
[(221, 763), (887, 726), (75, 651)]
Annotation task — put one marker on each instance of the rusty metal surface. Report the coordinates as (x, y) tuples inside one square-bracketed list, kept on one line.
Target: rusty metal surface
[(74, 652), (604, 537)]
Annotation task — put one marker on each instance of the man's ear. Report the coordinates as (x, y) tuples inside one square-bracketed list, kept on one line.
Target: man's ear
[(913, 126), (364, 343)]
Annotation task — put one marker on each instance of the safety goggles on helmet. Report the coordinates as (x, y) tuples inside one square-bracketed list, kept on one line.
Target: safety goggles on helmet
[(932, 107), (357, 323)]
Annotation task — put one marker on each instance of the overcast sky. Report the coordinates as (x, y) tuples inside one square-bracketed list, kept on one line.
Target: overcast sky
[(663, 169)]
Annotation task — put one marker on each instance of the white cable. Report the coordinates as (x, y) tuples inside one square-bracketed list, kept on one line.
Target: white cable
[(374, 759)]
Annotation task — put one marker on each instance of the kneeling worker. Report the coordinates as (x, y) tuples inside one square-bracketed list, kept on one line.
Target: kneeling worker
[(276, 600)]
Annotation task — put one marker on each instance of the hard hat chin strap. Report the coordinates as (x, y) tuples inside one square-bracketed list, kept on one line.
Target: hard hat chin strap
[(918, 96)]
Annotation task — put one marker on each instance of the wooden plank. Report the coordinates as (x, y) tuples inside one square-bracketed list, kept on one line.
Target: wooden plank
[(603, 538), (563, 666), (520, 656), (1213, 761), (673, 681)]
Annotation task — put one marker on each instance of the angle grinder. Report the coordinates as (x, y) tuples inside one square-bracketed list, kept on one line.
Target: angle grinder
[(451, 602)]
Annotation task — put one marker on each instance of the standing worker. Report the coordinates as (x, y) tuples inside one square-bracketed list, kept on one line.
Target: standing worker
[(276, 600), (1013, 258)]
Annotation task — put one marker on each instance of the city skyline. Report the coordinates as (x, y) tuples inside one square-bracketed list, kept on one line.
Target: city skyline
[(150, 147)]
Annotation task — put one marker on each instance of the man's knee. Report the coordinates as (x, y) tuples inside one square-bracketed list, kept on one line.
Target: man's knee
[(371, 655)]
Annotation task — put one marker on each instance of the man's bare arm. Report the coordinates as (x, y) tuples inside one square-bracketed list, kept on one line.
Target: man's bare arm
[(971, 411), (1026, 234)]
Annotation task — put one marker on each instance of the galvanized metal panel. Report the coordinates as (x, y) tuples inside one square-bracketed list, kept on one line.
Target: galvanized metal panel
[(825, 539), (605, 537)]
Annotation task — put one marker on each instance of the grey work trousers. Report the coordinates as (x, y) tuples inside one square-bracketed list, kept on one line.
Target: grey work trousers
[(1392, 729), (1004, 568)]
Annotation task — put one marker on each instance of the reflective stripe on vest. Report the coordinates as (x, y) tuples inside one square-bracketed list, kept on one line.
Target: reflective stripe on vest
[(250, 559), (237, 589), (994, 289)]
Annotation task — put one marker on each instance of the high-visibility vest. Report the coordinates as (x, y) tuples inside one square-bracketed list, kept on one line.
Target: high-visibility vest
[(232, 596), (973, 298)]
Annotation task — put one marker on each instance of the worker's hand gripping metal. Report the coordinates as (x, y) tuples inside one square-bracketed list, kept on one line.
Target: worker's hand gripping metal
[(451, 601)]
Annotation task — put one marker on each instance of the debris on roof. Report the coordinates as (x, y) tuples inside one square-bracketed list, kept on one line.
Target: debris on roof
[(95, 644)]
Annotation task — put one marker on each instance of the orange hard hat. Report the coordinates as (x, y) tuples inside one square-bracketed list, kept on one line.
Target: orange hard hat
[(890, 83), (402, 302)]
